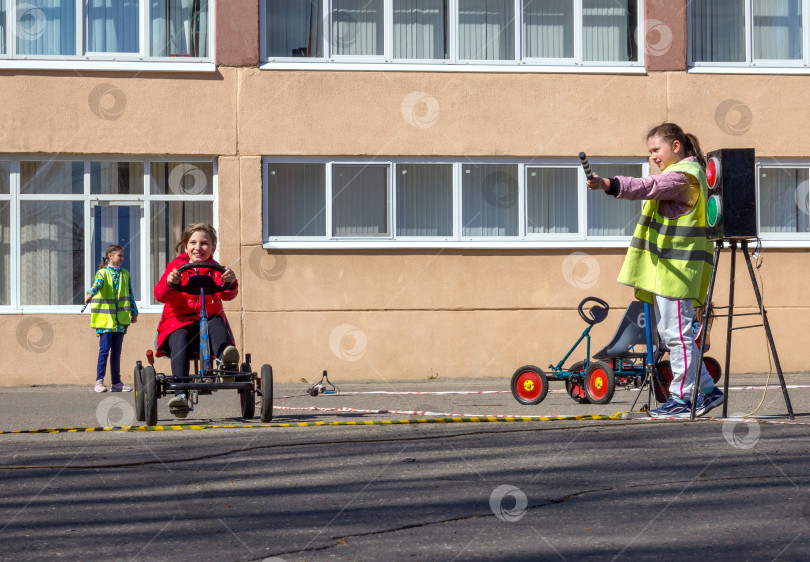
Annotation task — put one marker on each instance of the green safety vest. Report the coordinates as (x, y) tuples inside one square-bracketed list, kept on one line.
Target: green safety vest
[(108, 310), (671, 257)]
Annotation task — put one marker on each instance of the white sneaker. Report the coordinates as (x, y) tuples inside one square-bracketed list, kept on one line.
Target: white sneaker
[(100, 386), (179, 402), (230, 358)]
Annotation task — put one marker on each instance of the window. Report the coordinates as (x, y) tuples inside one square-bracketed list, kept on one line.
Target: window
[(300, 199), (608, 216), (421, 29), (551, 205), (5, 233), (442, 203), (35, 31), (486, 29), (67, 211), (489, 196), (462, 32), (424, 200), (359, 200), (783, 200), (747, 32)]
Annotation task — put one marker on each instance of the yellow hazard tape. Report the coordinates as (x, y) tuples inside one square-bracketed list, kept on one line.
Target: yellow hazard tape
[(314, 424)]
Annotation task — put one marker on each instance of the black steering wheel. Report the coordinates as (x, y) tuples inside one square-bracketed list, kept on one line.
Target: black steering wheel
[(199, 282), (598, 312)]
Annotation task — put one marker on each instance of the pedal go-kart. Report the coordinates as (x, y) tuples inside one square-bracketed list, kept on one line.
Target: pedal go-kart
[(206, 379), (618, 364)]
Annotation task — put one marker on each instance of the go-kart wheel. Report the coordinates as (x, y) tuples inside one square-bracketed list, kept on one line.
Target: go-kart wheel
[(139, 413), (574, 385), (662, 382), (247, 400), (576, 390), (267, 393), (529, 385), (713, 366), (600, 383), (149, 395)]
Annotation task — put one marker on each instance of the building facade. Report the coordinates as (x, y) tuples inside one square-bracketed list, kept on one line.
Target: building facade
[(398, 179)]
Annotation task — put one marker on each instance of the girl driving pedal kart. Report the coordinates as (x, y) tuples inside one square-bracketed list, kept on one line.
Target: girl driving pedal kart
[(178, 331)]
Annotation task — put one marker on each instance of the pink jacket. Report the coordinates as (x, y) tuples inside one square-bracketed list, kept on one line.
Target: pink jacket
[(678, 192), (180, 309)]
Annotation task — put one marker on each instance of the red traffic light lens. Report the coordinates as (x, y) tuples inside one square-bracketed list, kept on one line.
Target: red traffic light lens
[(712, 171)]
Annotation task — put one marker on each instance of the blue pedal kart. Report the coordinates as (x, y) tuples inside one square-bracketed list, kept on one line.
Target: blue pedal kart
[(621, 363), (204, 378)]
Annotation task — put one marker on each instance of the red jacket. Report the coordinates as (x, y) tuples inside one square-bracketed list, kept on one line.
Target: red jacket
[(180, 309)]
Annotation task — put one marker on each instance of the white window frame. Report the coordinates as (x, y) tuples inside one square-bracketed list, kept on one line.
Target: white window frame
[(523, 240), (85, 60), (144, 199), (752, 65), (453, 63), (780, 239)]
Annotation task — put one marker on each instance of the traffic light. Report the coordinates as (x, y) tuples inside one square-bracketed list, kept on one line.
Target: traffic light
[(731, 207)]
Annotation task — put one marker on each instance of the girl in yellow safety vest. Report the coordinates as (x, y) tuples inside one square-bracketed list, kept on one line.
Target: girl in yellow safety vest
[(112, 311), (669, 260)]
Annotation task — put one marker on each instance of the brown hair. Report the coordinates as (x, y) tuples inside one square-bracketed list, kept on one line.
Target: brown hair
[(110, 249), (191, 229), (671, 132)]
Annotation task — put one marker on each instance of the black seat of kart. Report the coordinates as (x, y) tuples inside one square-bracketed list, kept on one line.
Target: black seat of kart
[(630, 333)]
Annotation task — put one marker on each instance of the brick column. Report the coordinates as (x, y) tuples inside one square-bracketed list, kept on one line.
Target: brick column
[(665, 35), (237, 33)]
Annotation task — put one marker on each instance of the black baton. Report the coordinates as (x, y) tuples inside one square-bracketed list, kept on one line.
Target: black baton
[(585, 166)]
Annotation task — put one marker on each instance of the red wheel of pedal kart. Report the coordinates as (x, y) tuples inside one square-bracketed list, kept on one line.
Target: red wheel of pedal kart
[(661, 386), (529, 385), (574, 385), (713, 366), (576, 390), (600, 383)]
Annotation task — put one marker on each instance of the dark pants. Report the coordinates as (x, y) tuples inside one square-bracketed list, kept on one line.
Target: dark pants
[(184, 341), (109, 345)]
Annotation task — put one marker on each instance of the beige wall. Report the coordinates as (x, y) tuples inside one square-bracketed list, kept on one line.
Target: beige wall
[(249, 112), (119, 113), (451, 312)]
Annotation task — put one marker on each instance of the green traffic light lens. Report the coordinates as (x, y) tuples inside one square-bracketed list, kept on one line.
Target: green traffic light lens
[(713, 210)]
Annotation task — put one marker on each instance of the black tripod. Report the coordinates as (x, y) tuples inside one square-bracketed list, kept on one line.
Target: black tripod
[(763, 313)]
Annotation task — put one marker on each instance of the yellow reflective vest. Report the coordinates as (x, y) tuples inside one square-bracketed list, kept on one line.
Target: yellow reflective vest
[(107, 310), (671, 257)]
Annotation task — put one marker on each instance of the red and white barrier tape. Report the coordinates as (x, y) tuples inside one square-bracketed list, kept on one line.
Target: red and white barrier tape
[(397, 412)]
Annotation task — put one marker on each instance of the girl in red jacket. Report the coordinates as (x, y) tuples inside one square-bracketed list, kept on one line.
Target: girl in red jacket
[(178, 331)]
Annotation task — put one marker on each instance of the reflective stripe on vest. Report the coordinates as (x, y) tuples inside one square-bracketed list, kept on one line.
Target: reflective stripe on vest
[(107, 309), (671, 257)]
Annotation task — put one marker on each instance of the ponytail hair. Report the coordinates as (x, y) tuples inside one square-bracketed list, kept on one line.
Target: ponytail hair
[(671, 132), (105, 259)]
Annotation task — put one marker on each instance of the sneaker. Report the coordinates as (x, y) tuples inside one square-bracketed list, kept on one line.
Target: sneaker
[(672, 409), (100, 387), (179, 402), (230, 358), (229, 362), (706, 402), (120, 387)]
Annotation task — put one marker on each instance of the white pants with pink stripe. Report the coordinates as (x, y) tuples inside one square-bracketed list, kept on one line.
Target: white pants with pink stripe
[(674, 318)]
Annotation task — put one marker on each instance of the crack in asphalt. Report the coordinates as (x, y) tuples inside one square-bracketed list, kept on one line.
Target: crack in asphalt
[(544, 503)]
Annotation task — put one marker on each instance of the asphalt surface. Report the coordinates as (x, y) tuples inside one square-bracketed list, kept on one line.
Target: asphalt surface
[(724, 489)]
